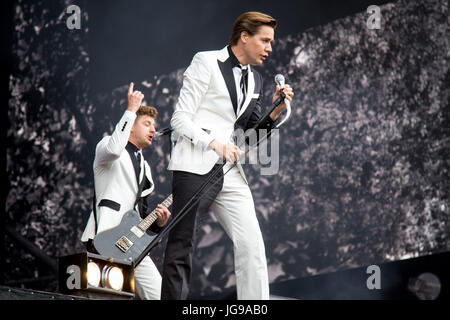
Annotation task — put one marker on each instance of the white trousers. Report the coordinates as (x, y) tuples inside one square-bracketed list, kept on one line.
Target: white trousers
[(235, 210), (147, 280)]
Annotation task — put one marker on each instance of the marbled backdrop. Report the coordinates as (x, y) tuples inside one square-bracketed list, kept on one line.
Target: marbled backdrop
[(364, 169)]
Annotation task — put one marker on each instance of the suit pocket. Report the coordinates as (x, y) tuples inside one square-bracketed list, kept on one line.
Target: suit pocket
[(255, 96)]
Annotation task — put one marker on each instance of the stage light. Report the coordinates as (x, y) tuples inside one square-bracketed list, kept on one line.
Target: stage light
[(426, 286), (93, 274), (112, 277)]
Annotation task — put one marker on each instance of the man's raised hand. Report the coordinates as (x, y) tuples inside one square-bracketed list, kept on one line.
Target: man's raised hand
[(134, 98)]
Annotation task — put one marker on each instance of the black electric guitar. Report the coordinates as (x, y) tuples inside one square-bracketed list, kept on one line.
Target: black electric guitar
[(129, 239)]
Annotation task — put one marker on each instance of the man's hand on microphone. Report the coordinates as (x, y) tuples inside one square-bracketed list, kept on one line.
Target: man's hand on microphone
[(289, 93), (229, 151), (134, 99)]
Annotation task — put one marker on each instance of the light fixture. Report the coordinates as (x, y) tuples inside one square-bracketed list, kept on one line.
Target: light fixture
[(112, 277), (426, 286), (93, 274)]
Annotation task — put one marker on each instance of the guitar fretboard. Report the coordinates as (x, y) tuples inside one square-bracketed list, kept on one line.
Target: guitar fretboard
[(148, 221)]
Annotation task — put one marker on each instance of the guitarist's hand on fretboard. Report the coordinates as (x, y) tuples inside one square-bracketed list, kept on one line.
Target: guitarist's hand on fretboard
[(163, 215)]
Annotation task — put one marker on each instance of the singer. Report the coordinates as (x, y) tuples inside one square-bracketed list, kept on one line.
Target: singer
[(221, 93)]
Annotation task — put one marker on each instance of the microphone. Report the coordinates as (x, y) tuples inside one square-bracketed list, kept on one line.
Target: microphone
[(161, 133), (279, 80)]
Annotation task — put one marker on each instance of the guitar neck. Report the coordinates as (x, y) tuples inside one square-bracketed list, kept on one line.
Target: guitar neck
[(148, 221)]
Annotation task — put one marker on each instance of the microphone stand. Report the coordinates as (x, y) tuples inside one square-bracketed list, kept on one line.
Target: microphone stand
[(196, 197)]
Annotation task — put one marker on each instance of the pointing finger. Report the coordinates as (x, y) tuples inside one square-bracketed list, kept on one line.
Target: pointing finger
[(130, 88)]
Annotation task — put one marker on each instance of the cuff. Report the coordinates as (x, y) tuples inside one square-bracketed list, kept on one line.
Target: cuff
[(130, 114), (204, 140)]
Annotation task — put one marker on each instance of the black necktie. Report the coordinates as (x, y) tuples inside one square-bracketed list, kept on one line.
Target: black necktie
[(138, 156), (141, 202), (243, 83)]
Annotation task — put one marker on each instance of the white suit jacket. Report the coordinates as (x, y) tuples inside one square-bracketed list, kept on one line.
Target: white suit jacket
[(206, 110), (116, 185)]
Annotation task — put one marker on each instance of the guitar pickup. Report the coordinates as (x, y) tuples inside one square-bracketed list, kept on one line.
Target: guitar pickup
[(137, 231), (124, 244)]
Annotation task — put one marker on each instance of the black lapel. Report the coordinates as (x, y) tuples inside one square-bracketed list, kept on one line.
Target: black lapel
[(137, 168), (228, 76)]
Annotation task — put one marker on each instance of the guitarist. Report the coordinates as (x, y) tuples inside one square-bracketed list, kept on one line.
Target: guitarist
[(120, 174)]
